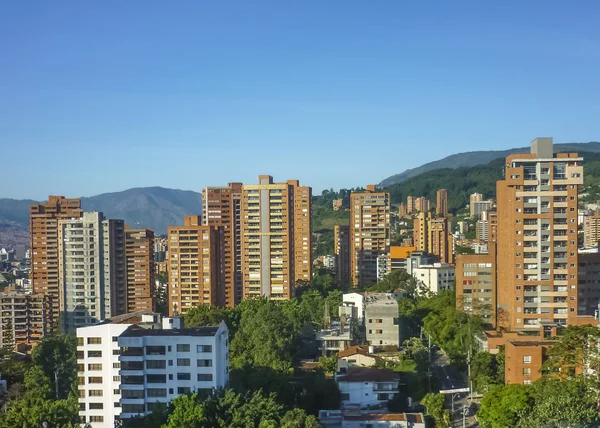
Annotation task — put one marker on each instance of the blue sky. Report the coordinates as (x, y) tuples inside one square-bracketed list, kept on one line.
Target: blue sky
[(107, 95)]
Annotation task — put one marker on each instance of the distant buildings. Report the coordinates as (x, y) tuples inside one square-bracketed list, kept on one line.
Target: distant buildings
[(434, 278), (441, 208), (25, 319), (432, 235), (341, 245), (139, 257), (129, 364), (337, 204), (369, 233), (591, 229)]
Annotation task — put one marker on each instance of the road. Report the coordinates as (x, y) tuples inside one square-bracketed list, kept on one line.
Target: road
[(450, 378)]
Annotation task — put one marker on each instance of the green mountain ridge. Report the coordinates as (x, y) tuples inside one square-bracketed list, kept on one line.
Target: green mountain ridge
[(480, 158)]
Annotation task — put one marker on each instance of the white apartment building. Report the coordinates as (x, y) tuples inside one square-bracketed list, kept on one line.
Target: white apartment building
[(367, 386), (92, 274), (329, 262), (436, 277), (353, 305), (129, 363)]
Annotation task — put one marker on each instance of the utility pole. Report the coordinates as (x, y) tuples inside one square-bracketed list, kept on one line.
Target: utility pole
[(56, 384)]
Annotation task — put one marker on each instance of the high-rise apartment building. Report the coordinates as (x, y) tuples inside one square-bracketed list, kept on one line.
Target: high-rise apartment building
[(441, 208), (302, 230), (479, 207), (432, 235), (482, 230), (369, 233), (139, 257), (92, 274), (591, 229), (421, 204), (475, 197), (269, 251), (410, 205), (221, 206), (537, 238), (43, 229), (492, 217), (402, 210), (24, 319), (196, 265), (341, 248)]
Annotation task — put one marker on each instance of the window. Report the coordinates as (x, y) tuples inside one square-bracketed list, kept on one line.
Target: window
[(94, 367), (155, 350), (116, 391), (96, 418), (116, 378), (80, 341), (156, 392), (183, 362), (527, 382), (184, 376), (133, 393), (115, 338), (208, 377), (204, 348), (156, 378), (133, 408), (116, 365), (94, 341), (156, 364), (183, 348), (204, 363), (94, 354), (184, 390), (96, 406), (526, 359), (527, 371), (95, 393), (95, 379)]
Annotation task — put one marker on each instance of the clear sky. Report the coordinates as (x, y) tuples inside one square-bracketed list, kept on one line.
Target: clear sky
[(101, 96)]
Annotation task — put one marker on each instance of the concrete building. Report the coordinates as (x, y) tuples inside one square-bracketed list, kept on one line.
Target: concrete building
[(432, 235), (221, 207), (410, 205), (591, 229), (482, 230), (399, 256), (369, 233), (479, 207), (196, 265), (588, 284), (383, 266), (92, 269), (366, 386), (341, 246), (441, 208), (29, 316), (434, 278), (523, 361), (330, 262), (381, 319), (351, 418), (422, 204), (355, 356), (353, 305), (402, 211), (141, 276), (476, 284), (537, 238), (332, 340), (43, 230), (128, 364), (275, 237), (475, 197)]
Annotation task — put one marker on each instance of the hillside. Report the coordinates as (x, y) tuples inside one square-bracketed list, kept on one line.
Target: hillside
[(463, 181), (480, 158), (152, 207)]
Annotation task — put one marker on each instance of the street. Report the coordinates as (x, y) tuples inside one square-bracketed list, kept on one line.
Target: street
[(450, 378)]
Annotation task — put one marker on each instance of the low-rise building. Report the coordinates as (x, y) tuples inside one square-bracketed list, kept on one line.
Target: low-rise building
[(128, 364), (353, 305), (329, 262), (381, 319), (350, 418), (383, 266), (436, 277), (335, 339), (29, 316), (367, 386), (523, 360), (355, 356)]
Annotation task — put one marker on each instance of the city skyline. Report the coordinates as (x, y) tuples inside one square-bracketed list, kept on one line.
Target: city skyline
[(317, 82)]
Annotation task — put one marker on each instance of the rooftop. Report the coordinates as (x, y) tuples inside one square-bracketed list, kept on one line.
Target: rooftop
[(353, 350), (137, 331), (368, 374), (532, 342)]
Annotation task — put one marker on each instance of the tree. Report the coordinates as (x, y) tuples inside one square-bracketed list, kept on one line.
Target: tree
[(329, 364), (56, 356), (434, 405), (577, 347), (203, 315), (485, 371), (296, 418), (187, 412), (504, 406)]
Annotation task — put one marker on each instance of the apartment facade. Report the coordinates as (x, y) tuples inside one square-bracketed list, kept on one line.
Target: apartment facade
[(221, 207), (196, 265), (434, 278), (537, 235), (128, 364), (302, 230), (588, 284), (524, 360), (476, 286), (141, 272), (43, 229), (432, 235), (475, 197), (92, 269), (29, 316), (591, 229), (441, 208), (381, 319), (341, 247), (369, 233)]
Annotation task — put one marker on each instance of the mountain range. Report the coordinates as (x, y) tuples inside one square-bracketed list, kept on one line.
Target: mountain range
[(151, 207), (480, 158), (158, 207)]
